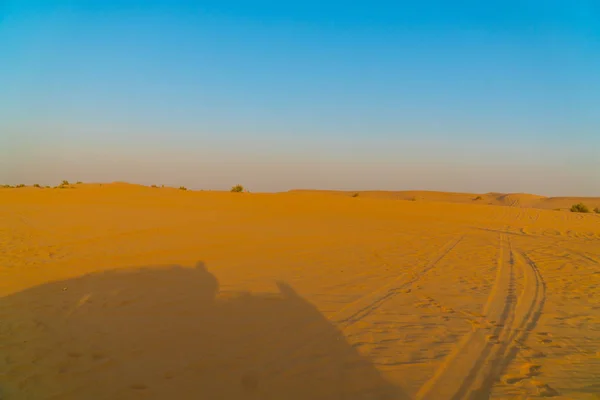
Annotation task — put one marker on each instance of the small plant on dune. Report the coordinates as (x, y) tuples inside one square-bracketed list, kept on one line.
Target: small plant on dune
[(7, 186), (36, 185), (478, 198), (413, 198), (79, 183), (237, 189), (355, 195), (153, 186), (182, 188), (597, 210), (580, 207), (21, 185), (65, 183)]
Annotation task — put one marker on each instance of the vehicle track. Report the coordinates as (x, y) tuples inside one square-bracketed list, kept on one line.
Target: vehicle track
[(359, 309), (364, 306), (479, 360), (528, 311)]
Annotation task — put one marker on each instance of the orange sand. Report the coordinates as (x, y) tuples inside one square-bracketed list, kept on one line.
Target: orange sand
[(127, 292)]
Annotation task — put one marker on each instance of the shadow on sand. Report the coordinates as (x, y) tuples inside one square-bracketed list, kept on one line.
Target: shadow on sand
[(167, 333)]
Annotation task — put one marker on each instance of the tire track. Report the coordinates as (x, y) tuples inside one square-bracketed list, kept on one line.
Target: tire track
[(463, 368), (364, 306), (472, 370), (528, 311), (359, 309)]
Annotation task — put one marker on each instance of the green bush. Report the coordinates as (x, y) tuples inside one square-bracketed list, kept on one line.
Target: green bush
[(182, 188), (597, 210), (20, 185), (36, 185), (65, 183), (7, 186), (580, 207), (79, 183), (237, 189)]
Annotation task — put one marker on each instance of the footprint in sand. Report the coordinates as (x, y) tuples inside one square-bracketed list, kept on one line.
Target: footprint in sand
[(512, 379), (493, 339), (545, 390), (530, 370), (544, 337), (168, 375), (530, 353), (527, 371)]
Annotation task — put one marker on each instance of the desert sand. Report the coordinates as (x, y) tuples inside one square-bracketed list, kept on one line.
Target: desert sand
[(121, 291)]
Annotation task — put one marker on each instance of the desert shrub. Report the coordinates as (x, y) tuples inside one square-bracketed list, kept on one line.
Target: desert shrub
[(478, 198), (597, 210), (21, 185), (237, 189), (580, 207), (355, 195), (79, 183), (6, 186), (182, 188), (154, 186), (36, 185), (65, 183)]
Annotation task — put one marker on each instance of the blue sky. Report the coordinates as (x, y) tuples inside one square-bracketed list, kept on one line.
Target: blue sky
[(438, 95)]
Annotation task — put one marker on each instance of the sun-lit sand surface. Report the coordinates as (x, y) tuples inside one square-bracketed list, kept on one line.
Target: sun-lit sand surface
[(120, 291)]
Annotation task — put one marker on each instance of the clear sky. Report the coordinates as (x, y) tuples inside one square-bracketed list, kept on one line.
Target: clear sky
[(437, 95)]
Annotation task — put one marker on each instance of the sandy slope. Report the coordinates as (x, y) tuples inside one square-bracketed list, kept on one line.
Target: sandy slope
[(128, 292)]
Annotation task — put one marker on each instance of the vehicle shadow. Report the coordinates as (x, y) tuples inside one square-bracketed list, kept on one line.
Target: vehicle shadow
[(168, 332)]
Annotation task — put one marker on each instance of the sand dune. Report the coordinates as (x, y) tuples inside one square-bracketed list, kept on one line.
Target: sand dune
[(522, 200), (119, 291)]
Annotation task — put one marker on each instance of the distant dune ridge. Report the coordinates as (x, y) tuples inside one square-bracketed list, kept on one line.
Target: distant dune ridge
[(523, 200)]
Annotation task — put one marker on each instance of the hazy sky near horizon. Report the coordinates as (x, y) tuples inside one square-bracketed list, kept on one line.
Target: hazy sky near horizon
[(436, 95)]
